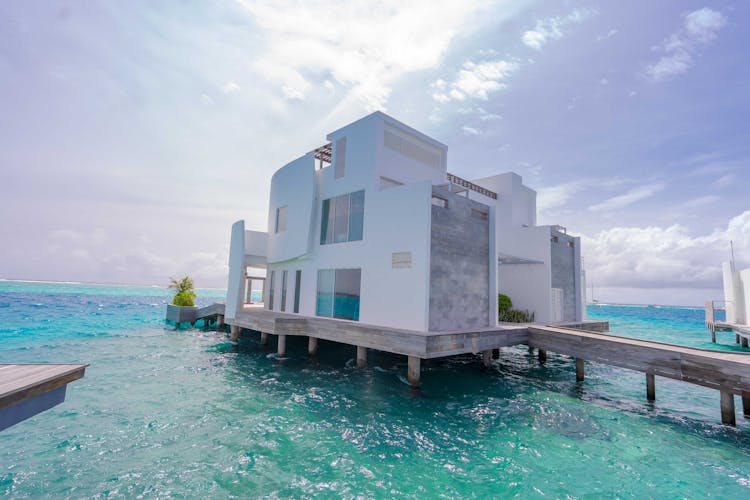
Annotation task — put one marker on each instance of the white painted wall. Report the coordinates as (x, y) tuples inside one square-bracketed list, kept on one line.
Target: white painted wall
[(292, 186), (744, 297), (731, 291), (236, 277), (256, 247)]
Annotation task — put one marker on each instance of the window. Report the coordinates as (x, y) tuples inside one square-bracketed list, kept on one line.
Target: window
[(283, 290), (338, 293), (342, 218), (479, 214), (439, 202), (297, 281), (281, 219), (270, 290)]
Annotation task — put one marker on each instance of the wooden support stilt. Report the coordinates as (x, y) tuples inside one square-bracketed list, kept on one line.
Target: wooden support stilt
[(177, 325), (263, 338), (531, 350), (495, 353), (579, 370), (542, 356), (736, 338), (361, 357), (727, 408), (234, 332), (413, 371), (281, 348), (312, 346), (746, 404), (487, 358), (713, 335), (651, 387), (744, 342), (220, 322)]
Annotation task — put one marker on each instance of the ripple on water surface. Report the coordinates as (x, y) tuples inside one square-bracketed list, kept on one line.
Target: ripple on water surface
[(186, 413)]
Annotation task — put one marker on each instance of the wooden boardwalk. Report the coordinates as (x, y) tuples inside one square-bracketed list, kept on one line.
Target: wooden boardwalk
[(28, 389), (727, 372)]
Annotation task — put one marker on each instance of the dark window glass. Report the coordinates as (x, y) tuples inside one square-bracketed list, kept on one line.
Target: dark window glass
[(356, 215), (270, 291), (326, 223), (346, 294), (324, 302), (297, 282), (341, 219), (283, 291)]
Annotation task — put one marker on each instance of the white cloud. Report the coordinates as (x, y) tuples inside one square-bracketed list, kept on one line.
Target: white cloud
[(327, 39), (230, 88), (470, 130), (553, 28), (556, 196), (700, 201), (662, 256), (475, 81), (623, 200), (206, 100), (604, 81), (724, 181), (608, 34), (700, 27)]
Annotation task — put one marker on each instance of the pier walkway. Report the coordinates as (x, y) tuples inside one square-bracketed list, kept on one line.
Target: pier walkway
[(741, 332), (28, 389), (727, 372)]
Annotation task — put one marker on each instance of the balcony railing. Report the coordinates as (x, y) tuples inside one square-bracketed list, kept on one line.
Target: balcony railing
[(458, 181)]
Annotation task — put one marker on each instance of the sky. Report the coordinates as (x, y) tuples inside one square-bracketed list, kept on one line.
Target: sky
[(132, 134)]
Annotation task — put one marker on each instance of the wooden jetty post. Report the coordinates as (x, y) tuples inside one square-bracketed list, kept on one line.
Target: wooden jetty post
[(746, 404), (312, 346), (281, 347), (727, 408), (234, 332), (219, 321), (413, 371), (263, 338), (361, 357), (542, 356), (650, 386), (579, 370), (744, 342), (487, 358)]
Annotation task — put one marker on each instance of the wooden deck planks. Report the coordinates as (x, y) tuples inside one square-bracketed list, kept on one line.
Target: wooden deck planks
[(23, 381)]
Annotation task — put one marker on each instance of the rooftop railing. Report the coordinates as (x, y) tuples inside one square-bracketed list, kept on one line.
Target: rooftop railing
[(458, 181)]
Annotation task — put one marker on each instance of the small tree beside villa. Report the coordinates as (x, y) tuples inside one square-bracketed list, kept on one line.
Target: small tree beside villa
[(182, 309)]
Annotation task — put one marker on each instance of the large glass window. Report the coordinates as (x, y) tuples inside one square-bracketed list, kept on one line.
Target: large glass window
[(342, 218), (338, 293), (297, 282)]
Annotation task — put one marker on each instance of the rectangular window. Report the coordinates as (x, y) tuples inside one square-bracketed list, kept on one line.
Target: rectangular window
[(324, 302), (283, 290), (479, 214), (297, 282), (270, 291), (342, 218), (439, 202), (339, 167), (338, 293), (281, 219)]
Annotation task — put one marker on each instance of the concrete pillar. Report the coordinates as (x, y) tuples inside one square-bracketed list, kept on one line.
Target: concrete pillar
[(651, 387), (746, 404), (361, 357), (727, 408), (495, 353), (542, 356), (220, 322), (736, 338), (234, 332), (743, 341), (413, 371), (312, 346), (713, 335), (281, 351), (263, 338), (487, 358), (579, 370)]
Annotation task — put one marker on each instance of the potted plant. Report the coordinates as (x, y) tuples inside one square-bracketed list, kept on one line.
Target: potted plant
[(182, 309)]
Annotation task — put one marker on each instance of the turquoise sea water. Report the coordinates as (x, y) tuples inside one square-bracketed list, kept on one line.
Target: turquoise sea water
[(184, 413)]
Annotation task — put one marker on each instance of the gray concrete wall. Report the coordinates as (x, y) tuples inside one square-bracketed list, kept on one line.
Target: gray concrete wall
[(564, 271), (459, 264)]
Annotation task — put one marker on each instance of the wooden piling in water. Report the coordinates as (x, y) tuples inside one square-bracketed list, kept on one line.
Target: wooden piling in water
[(361, 357), (744, 342), (727, 408), (312, 346), (281, 347), (579, 370), (219, 321), (487, 358), (495, 353), (542, 356), (746, 404), (234, 332), (651, 387), (413, 371), (263, 338)]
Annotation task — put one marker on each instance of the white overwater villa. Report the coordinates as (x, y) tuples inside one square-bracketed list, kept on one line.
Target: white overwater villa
[(372, 228)]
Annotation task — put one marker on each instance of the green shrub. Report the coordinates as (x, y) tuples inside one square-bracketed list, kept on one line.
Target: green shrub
[(184, 293), (506, 314), (503, 303)]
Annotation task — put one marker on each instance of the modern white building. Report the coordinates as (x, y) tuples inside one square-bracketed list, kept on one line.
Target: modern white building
[(372, 228), (736, 294)]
